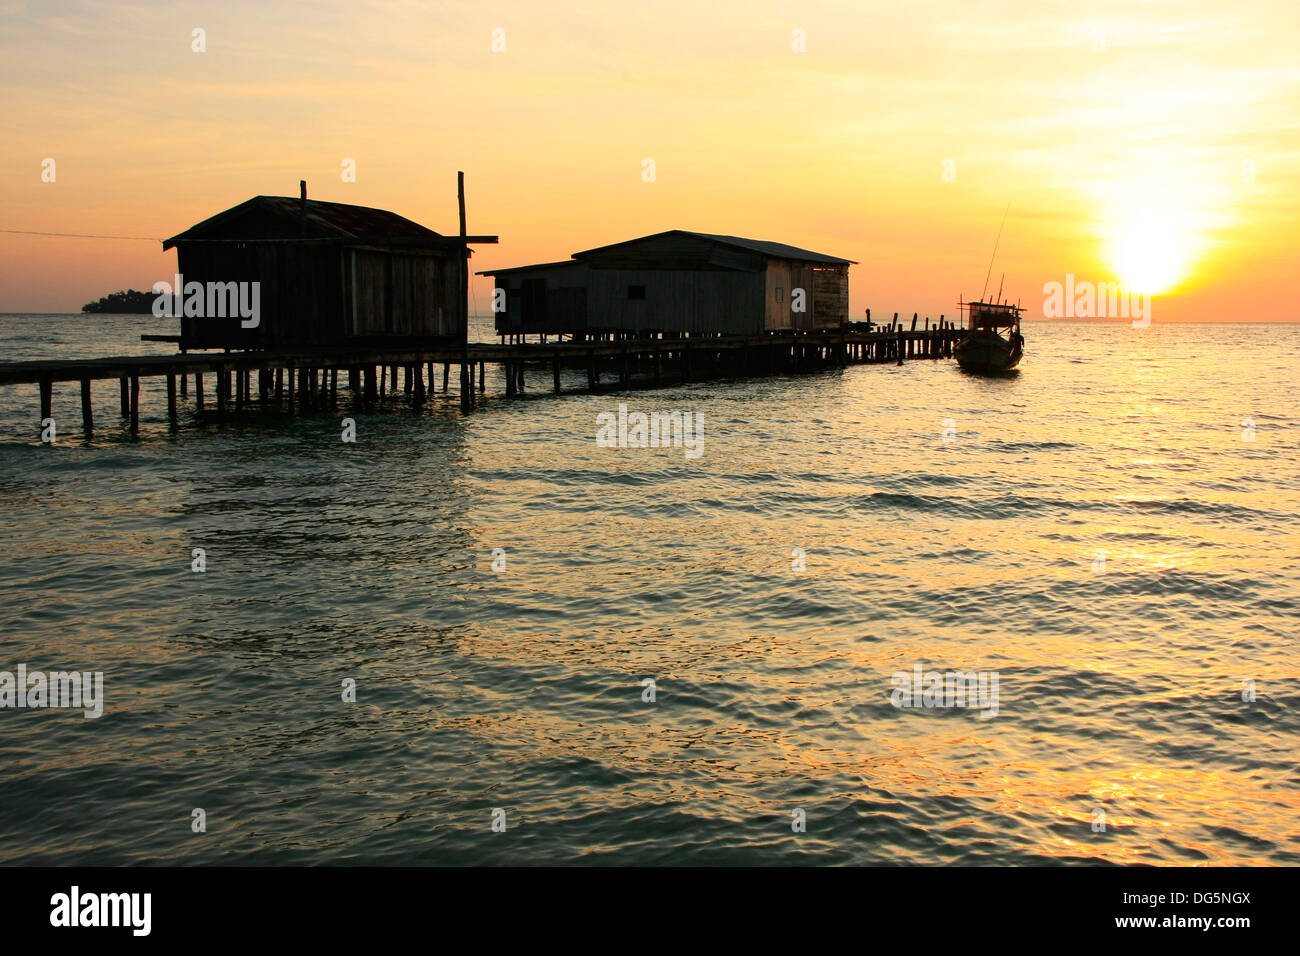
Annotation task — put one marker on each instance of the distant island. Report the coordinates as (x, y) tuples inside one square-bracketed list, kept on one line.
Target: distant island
[(128, 301)]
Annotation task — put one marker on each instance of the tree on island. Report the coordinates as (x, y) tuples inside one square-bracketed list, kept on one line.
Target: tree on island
[(123, 301)]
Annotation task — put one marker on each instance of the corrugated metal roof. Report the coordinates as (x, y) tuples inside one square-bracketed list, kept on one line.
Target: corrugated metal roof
[(776, 250), (281, 217), (773, 250), (539, 265)]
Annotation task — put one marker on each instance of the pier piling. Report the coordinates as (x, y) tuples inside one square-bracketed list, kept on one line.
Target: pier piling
[(312, 375), (47, 400), (87, 415), (135, 404)]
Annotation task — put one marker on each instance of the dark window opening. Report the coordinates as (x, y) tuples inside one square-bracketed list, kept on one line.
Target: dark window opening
[(636, 292)]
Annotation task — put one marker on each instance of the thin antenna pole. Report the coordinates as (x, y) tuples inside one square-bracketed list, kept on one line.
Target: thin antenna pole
[(989, 274)]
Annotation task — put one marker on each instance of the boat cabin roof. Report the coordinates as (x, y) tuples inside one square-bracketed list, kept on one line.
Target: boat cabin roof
[(994, 314)]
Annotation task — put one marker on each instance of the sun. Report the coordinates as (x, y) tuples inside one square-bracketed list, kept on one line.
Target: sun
[(1149, 256), (1149, 250)]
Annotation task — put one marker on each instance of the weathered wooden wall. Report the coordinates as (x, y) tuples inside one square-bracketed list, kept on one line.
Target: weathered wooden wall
[(548, 299), (830, 294), (691, 284), (676, 301), (323, 295), (578, 299)]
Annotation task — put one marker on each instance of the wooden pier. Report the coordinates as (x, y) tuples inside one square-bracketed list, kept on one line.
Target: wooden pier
[(308, 380)]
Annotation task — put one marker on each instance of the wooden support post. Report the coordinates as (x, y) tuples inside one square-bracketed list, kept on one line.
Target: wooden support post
[(198, 391), (482, 377), (221, 393), (87, 413), (47, 400), (446, 371), (171, 398), (392, 378), (135, 404), (371, 386), (354, 380), (126, 396), (408, 385), (239, 391), (900, 345), (507, 369), (466, 388), (279, 384), (185, 388)]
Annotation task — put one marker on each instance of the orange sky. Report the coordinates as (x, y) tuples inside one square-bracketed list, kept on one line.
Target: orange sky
[(1155, 143)]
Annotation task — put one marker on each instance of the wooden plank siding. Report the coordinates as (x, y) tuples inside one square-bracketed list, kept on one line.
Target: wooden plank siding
[(830, 296), (676, 282), (329, 275), (675, 301)]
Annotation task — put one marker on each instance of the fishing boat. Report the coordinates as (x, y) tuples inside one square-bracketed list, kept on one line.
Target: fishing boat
[(985, 348)]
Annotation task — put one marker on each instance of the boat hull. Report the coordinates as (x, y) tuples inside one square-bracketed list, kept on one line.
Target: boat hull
[(987, 353)]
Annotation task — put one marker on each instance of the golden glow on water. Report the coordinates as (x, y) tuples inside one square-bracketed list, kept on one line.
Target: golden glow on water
[(1120, 689)]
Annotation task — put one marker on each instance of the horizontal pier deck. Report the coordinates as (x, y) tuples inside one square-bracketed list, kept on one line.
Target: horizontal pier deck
[(656, 360)]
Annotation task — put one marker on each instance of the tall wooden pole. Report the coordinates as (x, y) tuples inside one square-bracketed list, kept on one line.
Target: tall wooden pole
[(466, 382)]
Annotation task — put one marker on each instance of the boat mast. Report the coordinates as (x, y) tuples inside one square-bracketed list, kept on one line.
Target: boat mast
[(989, 274)]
